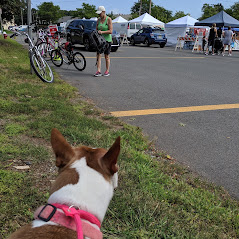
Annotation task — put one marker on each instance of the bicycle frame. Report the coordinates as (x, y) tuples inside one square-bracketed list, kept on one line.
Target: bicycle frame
[(44, 36), (37, 62), (68, 55), (47, 42), (62, 54), (33, 50)]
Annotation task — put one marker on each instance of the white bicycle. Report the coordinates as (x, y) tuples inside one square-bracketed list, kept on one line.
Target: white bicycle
[(38, 63)]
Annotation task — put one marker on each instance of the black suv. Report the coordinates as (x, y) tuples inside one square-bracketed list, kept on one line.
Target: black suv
[(78, 32)]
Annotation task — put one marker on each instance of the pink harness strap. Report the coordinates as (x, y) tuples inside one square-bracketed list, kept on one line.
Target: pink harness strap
[(70, 218)]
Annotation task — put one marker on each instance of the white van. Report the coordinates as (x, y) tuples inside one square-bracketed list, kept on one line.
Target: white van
[(126, 28)]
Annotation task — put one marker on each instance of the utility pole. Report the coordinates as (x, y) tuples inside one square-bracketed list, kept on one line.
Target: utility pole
[(29, 21), (150, 3), (22, 16), (29, 18), (140, 7), (1, 20)]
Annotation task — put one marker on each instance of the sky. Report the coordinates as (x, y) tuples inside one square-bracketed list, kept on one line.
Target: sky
[(193, 7)]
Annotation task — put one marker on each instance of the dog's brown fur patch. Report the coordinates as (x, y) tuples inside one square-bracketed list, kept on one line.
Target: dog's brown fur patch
[(93, 159), (49, 232), (67, 176)]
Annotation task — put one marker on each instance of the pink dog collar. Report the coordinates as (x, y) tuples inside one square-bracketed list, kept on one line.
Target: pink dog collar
[(71, 218)]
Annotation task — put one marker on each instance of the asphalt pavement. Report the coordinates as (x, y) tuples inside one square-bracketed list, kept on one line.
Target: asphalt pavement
[(144, 78)]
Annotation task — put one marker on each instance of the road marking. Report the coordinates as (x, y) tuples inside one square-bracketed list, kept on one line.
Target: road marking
[(174, 110), (152, 57)]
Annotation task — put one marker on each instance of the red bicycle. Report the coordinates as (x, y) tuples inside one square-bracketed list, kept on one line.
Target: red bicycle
[(46, 43)]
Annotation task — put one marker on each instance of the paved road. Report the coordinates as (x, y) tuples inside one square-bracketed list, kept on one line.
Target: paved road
[(153, 78)]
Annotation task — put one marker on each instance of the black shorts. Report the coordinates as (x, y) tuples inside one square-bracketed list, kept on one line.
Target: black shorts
[(211, 42), (108, 48)]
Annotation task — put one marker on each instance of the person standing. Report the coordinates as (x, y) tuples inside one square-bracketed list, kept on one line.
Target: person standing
[(228, 35), (219, 32), (104, 26), (211, 38)]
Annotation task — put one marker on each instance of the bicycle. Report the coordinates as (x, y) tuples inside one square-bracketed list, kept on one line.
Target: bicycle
[(64, 53), (47, 43), (38, 63)]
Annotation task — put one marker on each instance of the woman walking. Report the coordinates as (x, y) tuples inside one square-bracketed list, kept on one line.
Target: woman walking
[(228, 35), (104, 26), (211, 39)]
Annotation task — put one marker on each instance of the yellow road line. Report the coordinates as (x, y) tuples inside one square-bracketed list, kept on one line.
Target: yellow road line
[(151, 57), (174, 110)]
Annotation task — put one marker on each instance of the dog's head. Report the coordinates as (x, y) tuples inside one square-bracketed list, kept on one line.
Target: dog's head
[(87, 176)]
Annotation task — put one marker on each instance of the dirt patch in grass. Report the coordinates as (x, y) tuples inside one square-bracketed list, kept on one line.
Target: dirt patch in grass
[(41, 173)]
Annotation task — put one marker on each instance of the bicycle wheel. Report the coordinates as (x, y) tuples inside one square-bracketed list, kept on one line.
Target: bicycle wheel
[(66, 56), (45, 49), (79, 61), (56, 58), (41, 68)]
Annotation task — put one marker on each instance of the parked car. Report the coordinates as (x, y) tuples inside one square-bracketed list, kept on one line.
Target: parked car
[(148, 36), (12, 28), (22, 28), (78, 32)]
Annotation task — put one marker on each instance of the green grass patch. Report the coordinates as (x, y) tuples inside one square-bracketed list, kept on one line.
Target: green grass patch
[(18, 199), (14, 129), (156, 198)]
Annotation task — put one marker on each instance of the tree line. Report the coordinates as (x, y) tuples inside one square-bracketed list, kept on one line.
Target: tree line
[(51, 13)]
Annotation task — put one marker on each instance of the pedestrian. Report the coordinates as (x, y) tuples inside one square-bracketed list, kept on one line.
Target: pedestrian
[(219, 32), (211, 38), (203, 43), (228, 35), (104, 26)]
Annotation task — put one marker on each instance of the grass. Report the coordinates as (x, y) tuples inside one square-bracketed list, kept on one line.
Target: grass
[(156, 197)]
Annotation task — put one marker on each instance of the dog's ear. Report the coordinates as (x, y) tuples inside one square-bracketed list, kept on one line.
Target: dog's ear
[(63, 151), (111, 157)]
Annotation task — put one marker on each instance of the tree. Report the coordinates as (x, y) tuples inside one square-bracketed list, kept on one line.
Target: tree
[(161, 14), (145, 7), (234, 10), (158, 12), (12, 9), (20, 16), (64, 13), (71, 13), (179, 14), (49, 12), (87, 11), (111, 15), (210, 10)]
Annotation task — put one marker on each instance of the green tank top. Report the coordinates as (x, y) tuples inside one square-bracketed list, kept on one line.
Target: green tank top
[(104, 27)]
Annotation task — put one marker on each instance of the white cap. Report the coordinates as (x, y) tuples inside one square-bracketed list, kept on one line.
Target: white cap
[(100, 9)]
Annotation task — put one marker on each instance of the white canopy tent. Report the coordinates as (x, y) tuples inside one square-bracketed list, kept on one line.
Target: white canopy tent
[(177, 28), (120, 25), (119, 19), (147, 20)]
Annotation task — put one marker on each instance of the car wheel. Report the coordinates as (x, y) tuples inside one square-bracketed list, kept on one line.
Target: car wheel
[(162, 45), (132, 42), (146, 41), (114, 49), (87, 44)]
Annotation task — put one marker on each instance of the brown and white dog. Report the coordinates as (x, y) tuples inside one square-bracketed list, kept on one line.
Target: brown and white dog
[(83, 189)]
